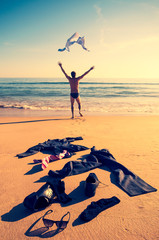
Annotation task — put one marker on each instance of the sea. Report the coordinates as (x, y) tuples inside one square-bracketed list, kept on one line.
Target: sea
[(51, 96)]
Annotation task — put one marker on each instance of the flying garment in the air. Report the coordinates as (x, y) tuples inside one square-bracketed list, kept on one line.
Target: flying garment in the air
[(75, 38)]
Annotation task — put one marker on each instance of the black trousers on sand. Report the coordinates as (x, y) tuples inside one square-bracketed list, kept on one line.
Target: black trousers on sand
[(120, 175)]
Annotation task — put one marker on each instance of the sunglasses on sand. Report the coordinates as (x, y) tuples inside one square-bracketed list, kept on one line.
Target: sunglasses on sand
[(60, 224)]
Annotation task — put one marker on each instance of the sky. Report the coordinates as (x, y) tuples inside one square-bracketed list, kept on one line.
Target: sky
[(122, 36)]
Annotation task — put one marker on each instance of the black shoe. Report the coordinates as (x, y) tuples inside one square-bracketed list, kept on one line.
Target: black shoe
[(58, 187), (91, 184), (40, 199), (95, 208)]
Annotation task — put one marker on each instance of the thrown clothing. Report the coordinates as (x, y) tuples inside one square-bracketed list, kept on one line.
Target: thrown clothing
[(122, 177), (54, 147), (75, 38)]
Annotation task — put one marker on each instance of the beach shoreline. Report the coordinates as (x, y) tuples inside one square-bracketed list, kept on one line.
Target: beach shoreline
[(133, 141), (10, 113)]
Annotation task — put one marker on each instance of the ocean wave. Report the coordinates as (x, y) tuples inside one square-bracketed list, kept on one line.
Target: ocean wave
[(83, 82), (45, 94), (104, 106), (16, 106), (54, 107), (33, 83)]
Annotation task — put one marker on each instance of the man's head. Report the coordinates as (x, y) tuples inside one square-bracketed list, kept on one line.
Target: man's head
[(73, 74)]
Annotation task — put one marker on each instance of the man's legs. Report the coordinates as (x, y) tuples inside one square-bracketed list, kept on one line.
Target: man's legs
[(72, 100), (79, 105)]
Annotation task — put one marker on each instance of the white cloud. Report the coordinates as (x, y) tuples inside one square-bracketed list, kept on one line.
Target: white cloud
[(98, 11), (102, 23), (7, 44), (140, 41), (149, 43)]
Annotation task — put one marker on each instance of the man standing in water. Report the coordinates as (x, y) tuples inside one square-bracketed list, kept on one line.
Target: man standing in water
[(74, 87)]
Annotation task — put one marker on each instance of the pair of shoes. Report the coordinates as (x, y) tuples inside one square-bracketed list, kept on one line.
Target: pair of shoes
[(91, 184)]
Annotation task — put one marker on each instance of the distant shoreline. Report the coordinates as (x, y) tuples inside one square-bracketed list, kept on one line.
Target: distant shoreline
[(5, 112)]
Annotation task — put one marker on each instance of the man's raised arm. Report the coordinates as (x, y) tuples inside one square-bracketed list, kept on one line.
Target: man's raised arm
[(86, 73), (60, 64)]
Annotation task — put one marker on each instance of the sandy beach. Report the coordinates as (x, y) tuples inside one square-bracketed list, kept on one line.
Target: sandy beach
[(133, 141)]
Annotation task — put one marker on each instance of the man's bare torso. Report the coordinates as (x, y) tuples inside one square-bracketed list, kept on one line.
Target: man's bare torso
[(74, 84)]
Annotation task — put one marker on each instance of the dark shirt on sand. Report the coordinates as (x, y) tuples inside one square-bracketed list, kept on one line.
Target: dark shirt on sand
[(54, 147)]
